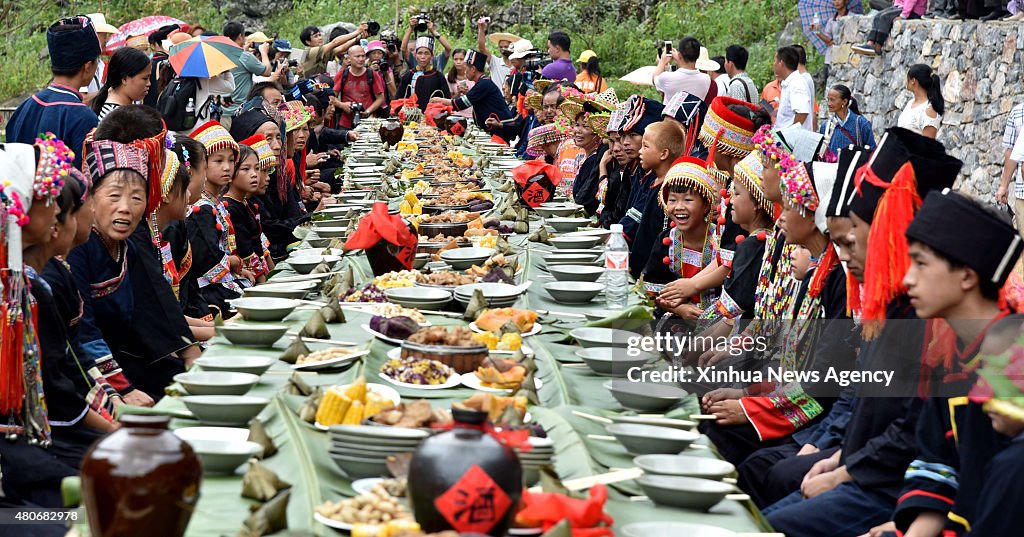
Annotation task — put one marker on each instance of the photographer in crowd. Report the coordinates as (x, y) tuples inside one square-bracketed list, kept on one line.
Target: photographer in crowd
[(421, 24), (318, 53), (561, 67), (425, 81), (283, 65), (359, 89), (500, 66), (376, 53), (484, 98), (248, 63)]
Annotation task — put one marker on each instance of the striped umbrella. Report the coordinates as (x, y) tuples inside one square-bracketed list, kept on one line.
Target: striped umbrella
[(824, 10), (143, 26), (205, 57)]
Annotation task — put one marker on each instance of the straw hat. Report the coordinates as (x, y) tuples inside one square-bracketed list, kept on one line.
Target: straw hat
[(606, 101), (570, 108), (498, 37), (99, 22), (704, 62), (521, 49), (599, 123), (534, 100), (258, 37), (542, 84)]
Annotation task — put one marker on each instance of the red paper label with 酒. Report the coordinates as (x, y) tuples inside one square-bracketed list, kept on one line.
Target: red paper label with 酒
[(475, 503)]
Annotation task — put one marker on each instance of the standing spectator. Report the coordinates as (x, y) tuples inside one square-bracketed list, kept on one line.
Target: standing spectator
[(923, 114), (357, 84), (808, 79), (162, 72), (314, 61), (408, 43), (500, 66), (247, 65), (795, 99), (687, 78), (375, 52), (458, 83), (560, 68), (827, 33), (881, 25), (1011, 166), (484, 98), (519, 80), (58, 108), (719, 75), (104, 32), (740, 85), (127, 81), (425, 81), (999, 11), (770, 95), (589, 80), (846, 127)]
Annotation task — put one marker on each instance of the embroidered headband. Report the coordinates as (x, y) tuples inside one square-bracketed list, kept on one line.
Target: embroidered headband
[(106, 156)]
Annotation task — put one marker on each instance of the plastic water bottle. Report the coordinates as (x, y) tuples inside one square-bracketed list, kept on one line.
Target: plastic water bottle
[(616, 266)]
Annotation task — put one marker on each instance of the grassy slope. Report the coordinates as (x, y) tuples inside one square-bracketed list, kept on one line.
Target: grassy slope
[(623, 46)]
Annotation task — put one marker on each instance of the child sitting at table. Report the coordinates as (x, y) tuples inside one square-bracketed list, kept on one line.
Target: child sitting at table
[(244, 185), (687, 245), (209, 228)]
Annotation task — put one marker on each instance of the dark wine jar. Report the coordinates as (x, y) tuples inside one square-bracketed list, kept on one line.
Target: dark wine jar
[(140, 480), (465, 479)]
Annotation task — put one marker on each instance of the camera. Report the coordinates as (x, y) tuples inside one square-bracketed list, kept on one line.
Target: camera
[(372, 28), (537, 61), (357, 113), (421, 21), (382, 65)]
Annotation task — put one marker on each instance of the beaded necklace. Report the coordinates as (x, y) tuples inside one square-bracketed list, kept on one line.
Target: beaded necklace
[(677, 258)]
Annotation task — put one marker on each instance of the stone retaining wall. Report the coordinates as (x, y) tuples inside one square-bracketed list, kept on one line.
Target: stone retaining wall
[(980, 68)]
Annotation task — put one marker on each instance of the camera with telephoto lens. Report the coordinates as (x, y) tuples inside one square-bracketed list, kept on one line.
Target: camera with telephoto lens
[(537, 60), (357, 113), (421, 21), (372, 28), (382, 65)]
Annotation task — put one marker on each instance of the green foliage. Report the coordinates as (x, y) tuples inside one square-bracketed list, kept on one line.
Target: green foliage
[(618, 30)]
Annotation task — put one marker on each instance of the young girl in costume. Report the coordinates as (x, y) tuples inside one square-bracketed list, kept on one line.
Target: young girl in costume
[(244, 185)]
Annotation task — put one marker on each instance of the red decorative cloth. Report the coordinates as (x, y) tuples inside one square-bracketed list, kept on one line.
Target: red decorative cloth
[(586, 517), (536, 182), (378, 226)]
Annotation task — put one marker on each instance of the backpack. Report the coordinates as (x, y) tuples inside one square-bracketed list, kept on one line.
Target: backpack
[(369, 82), (173, 103)]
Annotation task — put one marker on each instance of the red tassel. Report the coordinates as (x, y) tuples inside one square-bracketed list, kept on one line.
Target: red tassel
[(666, 260), (887, 254), (825, 266), (666, 241), (740, 238)]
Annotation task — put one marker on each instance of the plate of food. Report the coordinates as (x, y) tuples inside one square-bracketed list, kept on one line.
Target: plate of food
[(375, 507), (498, 375), (390, 311), (394, 487), (419, 374), (392, 330), (327, 358), (534, 329)]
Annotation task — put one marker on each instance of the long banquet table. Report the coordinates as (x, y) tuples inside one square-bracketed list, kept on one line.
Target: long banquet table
[(568, 386)]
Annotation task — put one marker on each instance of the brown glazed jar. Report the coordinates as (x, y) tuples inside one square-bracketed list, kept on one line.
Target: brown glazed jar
[(140, 480), (391, 131), (465, 479)]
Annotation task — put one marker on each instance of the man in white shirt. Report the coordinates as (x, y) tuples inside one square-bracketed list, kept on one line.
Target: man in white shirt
[(795, 101), (499, 64), (687, 78), (1013, 145), (808, 78)]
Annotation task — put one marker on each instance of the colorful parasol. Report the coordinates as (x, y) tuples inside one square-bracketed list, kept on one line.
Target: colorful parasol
[(823, 10), (143, 26), (205, 57)]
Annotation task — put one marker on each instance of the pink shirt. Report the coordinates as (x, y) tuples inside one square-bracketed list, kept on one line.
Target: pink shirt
[(917, 7)]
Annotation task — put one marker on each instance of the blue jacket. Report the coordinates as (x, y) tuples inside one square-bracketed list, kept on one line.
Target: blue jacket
[(856, 130), (57, 109)]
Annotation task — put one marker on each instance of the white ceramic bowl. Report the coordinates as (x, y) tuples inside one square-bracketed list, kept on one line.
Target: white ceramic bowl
[(648, 439), (645, 396), (217, 382), (569, 241), (602, 337), (463, 258), (576, 273), (419, 297), (254, 365), (264, 308), (252, 335), (565, 225), (685, 492), (230, 410), (305, 265), (573, 292)]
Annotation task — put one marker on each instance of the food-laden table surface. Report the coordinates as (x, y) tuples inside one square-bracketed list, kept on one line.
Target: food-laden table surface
[(568, 389)]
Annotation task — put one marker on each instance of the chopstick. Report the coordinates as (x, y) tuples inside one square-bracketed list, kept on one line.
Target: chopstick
[(604, 437), (561, 313), (584, 483), (705, 417), (369, 305), (591, 417), (330, 341)]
